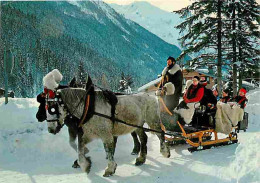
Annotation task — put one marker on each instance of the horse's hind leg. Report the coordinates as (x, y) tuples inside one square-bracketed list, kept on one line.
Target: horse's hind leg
[(85, 163), (110, 149), (164, 147), (136, 149), (143, 138), (115, 141)]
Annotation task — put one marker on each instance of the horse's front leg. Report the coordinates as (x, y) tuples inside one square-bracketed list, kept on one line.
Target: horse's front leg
[(109, 146), (72, 139), (143, 138), (85, 163)]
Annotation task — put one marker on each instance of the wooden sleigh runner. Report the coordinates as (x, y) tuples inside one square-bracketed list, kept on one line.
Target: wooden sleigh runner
[(201, 137)]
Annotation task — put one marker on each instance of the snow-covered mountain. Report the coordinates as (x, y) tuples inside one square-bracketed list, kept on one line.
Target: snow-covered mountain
[(60, 34), (29, 154), (156, 20)]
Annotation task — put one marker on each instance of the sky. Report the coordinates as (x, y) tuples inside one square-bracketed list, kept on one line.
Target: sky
[(168, 5)]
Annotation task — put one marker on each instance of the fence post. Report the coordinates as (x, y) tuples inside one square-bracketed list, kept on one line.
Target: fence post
[(6, 77)]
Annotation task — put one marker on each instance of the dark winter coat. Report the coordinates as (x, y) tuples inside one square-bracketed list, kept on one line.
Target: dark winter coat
[(173, 75), (225, 99), (208, 97), (241, 101)]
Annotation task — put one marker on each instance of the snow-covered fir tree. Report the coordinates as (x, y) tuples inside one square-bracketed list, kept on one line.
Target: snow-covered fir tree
[(227, 32), (202, 30), (242, 18)]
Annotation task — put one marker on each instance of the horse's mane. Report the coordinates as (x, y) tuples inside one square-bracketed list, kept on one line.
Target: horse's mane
[(74, 100)]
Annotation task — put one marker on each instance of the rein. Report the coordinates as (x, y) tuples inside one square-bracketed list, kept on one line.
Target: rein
[(137, 126)]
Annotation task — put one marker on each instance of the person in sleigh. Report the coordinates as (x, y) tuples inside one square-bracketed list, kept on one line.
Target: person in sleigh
[(241, 99), (191, 100)]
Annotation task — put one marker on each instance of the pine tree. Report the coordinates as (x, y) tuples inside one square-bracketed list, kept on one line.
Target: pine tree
[(202, 30), (227, 31), (244, 38)]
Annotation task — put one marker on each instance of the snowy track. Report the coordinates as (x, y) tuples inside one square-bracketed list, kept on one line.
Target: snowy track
[(28, 153)]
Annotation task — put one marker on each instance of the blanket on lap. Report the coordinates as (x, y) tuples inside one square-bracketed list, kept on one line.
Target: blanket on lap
[(187, 113), (227, 115)]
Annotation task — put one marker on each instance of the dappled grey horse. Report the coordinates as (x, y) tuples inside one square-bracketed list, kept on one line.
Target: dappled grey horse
[(132, 109), (72, 123)]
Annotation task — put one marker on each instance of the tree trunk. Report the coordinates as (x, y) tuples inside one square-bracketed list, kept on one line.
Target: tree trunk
[(219, 64), (234, 47), (241, 70)]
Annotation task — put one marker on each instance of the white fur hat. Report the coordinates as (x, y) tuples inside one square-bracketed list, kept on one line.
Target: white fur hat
[(52, 79), (170, 88)]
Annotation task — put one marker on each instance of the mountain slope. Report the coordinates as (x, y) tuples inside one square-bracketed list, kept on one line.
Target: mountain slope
[(157, 21), (47, 35)]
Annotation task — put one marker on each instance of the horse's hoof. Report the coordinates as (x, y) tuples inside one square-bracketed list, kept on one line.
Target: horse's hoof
[(108, 174), (134, 153), (75, 164), (110, 170), (140, 161)]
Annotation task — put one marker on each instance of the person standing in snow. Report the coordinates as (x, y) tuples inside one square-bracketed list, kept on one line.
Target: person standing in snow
[(171, 83)]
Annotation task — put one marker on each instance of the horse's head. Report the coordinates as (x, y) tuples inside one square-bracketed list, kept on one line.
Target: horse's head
[(54, 111)]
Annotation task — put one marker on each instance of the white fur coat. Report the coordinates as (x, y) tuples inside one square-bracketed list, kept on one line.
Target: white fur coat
[(172, 71)]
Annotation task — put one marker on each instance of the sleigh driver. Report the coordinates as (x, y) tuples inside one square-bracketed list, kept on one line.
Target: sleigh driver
[(170, 87)]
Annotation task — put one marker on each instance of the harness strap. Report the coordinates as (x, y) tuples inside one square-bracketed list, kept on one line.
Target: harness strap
[(165, 107), (85, 111)]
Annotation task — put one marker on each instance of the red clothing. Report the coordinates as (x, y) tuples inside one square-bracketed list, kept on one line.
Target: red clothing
[(198, 95)]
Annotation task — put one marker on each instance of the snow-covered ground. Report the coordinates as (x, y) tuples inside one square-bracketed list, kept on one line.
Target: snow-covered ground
[(28, 153)]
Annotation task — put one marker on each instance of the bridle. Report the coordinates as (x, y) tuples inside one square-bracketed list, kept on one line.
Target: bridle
[(54, 98)]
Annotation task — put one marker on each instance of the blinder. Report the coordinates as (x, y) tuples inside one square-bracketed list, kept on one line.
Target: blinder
[(53, 100)]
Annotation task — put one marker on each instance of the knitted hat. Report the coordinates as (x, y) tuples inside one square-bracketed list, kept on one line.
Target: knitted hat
[(243, 90)]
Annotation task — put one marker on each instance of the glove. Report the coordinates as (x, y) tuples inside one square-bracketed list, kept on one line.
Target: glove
[(186, 100), (182, 105)]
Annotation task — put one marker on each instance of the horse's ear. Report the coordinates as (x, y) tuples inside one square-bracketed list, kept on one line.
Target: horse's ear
[(88, 82)]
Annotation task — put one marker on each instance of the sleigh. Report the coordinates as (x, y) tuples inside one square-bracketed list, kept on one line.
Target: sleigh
[(201, 137)]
